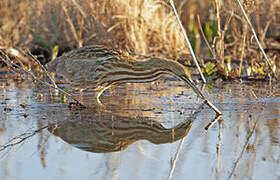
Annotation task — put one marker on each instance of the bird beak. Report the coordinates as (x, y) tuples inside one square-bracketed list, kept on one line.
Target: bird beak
[(191, 84)]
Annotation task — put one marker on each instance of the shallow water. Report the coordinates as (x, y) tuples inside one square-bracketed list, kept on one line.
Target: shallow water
[(143, 131)]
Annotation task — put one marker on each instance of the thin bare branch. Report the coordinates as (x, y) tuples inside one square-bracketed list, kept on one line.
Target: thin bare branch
[(205, 39), (21, 138), (257, 39), (13, 65), (187, 40), (42, 67)]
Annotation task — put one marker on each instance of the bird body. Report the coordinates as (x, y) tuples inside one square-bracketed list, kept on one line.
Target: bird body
[(97, 67)]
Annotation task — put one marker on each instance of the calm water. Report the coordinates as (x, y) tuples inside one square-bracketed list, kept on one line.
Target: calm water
[(143, 131)]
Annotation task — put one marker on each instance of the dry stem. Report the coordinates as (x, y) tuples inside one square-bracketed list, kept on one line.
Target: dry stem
[(257, 39), (187, 40)]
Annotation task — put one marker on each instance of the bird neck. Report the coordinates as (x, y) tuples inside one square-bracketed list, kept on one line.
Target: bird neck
[(161, 65)]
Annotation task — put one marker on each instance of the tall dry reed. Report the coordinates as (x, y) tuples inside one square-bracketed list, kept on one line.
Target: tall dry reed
[(141, 26)]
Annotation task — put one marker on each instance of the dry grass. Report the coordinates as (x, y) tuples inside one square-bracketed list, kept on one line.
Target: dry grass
[(145, 27), (14, 23), (142, 26)]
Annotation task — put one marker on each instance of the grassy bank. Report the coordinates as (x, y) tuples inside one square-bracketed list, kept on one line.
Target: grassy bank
[(150, 28)]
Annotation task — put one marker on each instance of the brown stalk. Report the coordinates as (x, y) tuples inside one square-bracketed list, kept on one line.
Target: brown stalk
[(187, 40), (205, 39), (257, 39), (72, 27), (13, 65)]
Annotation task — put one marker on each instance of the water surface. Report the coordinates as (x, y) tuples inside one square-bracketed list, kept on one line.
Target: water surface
[(142, 131)]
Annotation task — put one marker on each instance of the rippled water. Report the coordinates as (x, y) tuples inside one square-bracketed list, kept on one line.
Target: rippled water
[(143, 131)]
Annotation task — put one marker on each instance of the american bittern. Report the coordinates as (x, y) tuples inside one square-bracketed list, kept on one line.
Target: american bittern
[(97, 67)]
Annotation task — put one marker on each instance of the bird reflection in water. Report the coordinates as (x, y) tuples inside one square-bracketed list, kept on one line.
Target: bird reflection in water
[(106, 132)]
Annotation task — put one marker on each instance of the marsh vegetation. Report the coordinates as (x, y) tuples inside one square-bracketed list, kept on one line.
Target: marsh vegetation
[(49, 28), (152, 130)]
